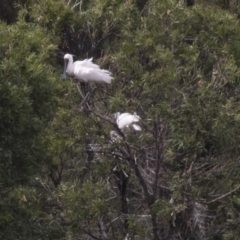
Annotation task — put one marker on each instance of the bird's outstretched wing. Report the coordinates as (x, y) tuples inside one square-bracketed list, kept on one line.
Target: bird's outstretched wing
[(86, 63)]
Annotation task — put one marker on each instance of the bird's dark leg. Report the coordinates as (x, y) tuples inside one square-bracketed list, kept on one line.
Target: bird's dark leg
[(88, 93), (83, 87)]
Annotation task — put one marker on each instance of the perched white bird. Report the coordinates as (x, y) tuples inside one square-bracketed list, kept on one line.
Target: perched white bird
[(85, 70), (125, 120)]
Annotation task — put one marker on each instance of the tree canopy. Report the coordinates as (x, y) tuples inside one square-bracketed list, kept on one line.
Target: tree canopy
[(174, 63)]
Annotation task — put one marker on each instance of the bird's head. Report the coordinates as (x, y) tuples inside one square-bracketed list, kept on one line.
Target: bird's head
[(116, 115), (67, 58)]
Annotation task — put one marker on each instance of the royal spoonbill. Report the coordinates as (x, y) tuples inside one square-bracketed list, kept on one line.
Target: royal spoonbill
[(125, 120), (85, 71)]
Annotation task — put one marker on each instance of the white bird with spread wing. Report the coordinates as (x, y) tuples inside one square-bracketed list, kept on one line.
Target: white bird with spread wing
[(86, 71), (126, 120)]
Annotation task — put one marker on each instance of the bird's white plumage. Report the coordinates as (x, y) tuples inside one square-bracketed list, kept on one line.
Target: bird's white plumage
[(137, 127), (125, 120), (86, 70)]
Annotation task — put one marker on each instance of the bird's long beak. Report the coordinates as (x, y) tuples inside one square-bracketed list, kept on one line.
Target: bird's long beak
[(64, 75)]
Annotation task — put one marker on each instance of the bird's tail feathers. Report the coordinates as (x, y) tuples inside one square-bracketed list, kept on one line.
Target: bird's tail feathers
[(137, 127), (104, 76)]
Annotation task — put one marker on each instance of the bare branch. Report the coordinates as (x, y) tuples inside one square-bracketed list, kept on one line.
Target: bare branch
[(225, 195)]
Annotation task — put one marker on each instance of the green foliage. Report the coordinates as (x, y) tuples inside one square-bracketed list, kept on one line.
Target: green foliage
[(61, 175), (29, 94)]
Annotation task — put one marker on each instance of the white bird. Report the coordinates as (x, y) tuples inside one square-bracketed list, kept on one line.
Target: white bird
[(85, 70), (125, 120)]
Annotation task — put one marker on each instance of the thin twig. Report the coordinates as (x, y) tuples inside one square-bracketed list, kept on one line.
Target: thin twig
[(225, 195)]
